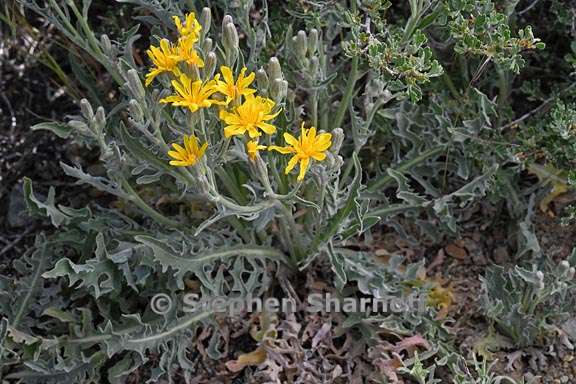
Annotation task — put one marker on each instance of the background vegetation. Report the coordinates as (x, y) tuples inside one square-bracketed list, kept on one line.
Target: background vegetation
[(454, 180)]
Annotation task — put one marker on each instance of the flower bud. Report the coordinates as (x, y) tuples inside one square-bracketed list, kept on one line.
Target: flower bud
[(571, 273), (79, 126), (312, 41), (100, 118), (278, 90), (205, 20), (301, 41), (564, 266), (314, 65), (230, 37), (207, 45), (262, 79), (135, 110), (210, 65), (135, 85), (274, 69), (225, 20), (86, 109), (337, 140), (106, 45)]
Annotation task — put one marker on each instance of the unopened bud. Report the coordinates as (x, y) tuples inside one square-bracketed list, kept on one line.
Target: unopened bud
[(301, 45), (278, 90), (135, 85), (540, 275), (100, 118), (314, 65), (564, 265), (225, 20), (106, 45), (86, 109), (207, 45), (262, 79), (571, 273), (312, 41), (135, 110), (205, 20), (210, 64), (79, 126), (274, 69), (230, 37), (337, 140)]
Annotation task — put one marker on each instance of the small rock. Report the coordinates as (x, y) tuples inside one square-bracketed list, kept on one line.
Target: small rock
[(456, 251), (501, 255)]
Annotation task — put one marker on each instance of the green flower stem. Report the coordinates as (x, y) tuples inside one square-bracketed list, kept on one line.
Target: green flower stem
[(239, 226), (294, 233), (287, 223), (231, 186), (137, 200), (244, 209), (223, 150), (95, 44), (344, 103), (348, 168), (203, 127), (287, 239), (383, 181), (314, 108), (262, 172), (324, 119)]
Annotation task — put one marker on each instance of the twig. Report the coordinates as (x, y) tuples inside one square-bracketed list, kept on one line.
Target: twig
[(18, 239), (528, 8), (537, 109), (479, 71)]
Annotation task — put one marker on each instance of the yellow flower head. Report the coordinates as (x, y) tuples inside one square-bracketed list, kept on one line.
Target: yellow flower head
[(191, 94), (232, 89), (248, 117), (309, 145), (189, 155), (185, 52), (163, 59), (252, 148), (191, 27)]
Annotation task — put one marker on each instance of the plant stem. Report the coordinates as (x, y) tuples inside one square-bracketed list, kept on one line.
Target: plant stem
[(403, 167), (343, 107), (137, 200)]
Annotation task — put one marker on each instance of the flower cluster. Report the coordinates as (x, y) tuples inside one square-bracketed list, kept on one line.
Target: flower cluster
[(241, 110)]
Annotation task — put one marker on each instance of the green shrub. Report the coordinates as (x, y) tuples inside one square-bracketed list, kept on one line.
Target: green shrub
[(249, 147)]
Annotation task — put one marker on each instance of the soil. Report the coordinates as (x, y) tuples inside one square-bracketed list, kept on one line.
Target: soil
[(29, 93)]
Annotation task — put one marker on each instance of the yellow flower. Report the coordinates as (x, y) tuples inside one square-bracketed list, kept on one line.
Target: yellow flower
[(163, 59), (185, 52), (252, 148), (189, 155), (248, 117), (191, 27), (232, 89), (309, 145), (191, 94)]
